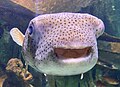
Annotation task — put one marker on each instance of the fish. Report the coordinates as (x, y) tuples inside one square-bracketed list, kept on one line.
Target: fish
[(109, 38), (61, 44), (111, 80)]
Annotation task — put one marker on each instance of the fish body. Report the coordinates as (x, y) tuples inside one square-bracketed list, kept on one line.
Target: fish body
[(62, 43)]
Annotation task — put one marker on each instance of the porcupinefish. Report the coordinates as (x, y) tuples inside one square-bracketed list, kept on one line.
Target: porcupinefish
[(61, 43)]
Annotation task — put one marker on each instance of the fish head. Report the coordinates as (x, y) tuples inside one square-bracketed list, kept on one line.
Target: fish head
[(62, 43)]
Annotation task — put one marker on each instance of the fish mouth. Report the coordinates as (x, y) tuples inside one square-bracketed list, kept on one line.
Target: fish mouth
[(63, 53)]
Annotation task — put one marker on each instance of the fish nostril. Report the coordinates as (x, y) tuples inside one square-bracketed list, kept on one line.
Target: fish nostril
[(30, 29)]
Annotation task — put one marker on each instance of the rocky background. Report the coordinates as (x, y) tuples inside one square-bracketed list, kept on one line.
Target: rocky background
[(18, 13)]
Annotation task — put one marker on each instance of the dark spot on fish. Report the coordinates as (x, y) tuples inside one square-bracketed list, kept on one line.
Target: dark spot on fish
[(36, 47), (31, 41), (65, 23), (58, 26), (38, 38), (75, 20), (88, 24)]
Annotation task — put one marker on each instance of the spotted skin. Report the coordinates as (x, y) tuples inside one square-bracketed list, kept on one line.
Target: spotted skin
[(61, 30)]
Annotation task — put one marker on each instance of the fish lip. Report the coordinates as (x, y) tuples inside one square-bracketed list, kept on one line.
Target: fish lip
[(78, 60), (72, 54)]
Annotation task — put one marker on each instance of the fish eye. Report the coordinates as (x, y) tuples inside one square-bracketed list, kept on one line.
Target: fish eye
[(30, 29)]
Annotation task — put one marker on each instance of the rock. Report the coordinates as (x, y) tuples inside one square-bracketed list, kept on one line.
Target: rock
[(109, 51), (109, 46), (14, 15), (28, 4), (17, 74), (110, 58), (16, 66), (53, 6)]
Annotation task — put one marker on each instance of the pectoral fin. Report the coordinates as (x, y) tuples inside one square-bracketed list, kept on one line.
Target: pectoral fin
[(17, 36)]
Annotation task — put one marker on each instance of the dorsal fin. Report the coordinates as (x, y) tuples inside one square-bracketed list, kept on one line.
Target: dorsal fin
[(17, 36)]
